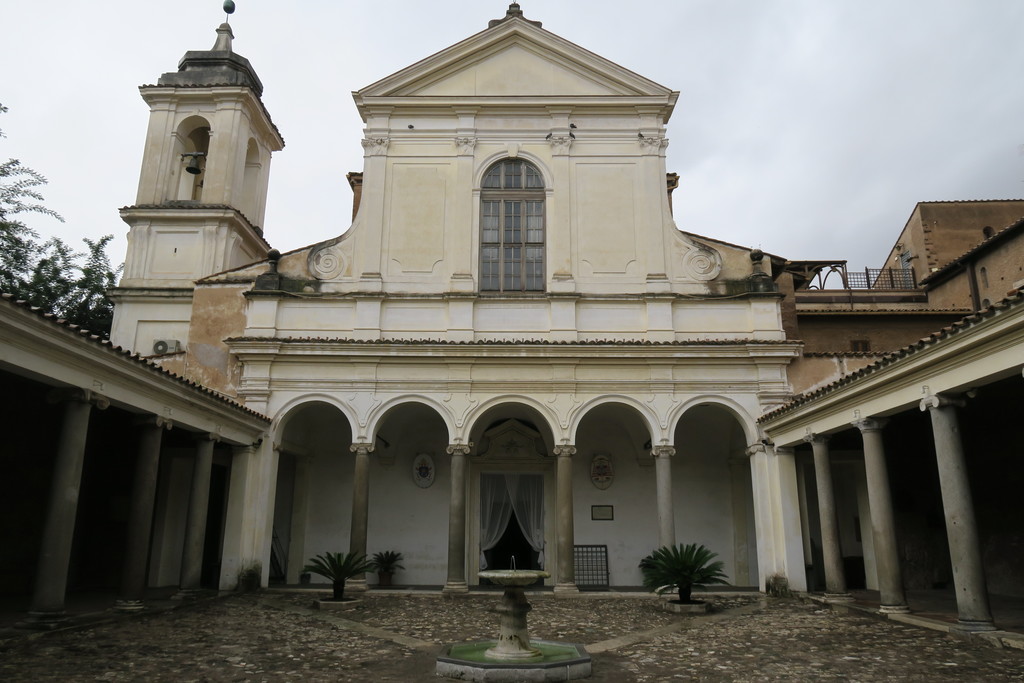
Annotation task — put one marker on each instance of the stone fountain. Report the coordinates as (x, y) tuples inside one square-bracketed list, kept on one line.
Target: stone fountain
[(513, 657)]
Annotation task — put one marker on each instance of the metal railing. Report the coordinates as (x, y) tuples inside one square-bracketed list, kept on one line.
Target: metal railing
[(824, 276), (881, 278)]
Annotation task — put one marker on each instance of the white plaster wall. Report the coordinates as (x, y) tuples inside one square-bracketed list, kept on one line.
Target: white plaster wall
[(702, 496), (634, 531), (330, 502), (410, 519)]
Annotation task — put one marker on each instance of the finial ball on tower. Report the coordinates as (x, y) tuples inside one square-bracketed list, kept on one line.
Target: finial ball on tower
[(229, 6)]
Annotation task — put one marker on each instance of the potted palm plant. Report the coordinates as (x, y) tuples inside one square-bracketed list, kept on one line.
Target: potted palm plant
[(338, 568), (386, 562), (681, 568)]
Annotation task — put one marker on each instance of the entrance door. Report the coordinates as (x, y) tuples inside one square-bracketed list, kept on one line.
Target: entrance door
[(512, 521)]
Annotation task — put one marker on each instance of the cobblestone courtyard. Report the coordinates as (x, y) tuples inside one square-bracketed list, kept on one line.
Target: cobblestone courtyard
[(276, 637)]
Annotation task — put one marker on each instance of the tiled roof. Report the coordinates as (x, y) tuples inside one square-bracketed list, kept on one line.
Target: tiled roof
[(514, 342), (981, 246), (883, 311), (95, 339), (968, 201), (844, 354), (1013, 298)]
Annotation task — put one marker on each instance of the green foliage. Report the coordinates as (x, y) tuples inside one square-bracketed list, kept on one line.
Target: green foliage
[(387, 561), (681, 568), (338, 568), (50, 275)]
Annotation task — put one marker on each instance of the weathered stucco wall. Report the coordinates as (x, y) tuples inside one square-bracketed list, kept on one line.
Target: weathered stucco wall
[(218, 312)]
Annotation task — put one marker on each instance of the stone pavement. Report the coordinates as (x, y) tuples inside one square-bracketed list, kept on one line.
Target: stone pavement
[(275, 636)]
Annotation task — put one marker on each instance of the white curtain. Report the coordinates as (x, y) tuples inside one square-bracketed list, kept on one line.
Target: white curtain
[(495, 511), (527, 494)]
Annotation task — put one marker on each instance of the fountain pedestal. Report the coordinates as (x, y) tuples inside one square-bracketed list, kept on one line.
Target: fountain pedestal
[(513, 637)]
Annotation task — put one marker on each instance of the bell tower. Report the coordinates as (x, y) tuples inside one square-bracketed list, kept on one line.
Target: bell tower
[(202, 193)]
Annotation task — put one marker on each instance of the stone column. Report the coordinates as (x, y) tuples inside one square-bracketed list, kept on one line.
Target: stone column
[(140, 516), (195, 525), (663, 477), (835, 576), (961, 526), (883, 522), (456, 582), (566, 581), (47, 607), (360, 507)]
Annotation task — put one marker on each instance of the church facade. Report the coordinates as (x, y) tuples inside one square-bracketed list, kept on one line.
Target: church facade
[(511, 352)]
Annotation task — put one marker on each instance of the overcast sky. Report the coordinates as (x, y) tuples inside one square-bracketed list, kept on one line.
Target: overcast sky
[(808, 128)]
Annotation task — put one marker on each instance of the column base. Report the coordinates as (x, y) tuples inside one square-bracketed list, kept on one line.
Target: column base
[(893, 609), (129, 605), (972, 626), (838, 597), (566, 589), (187, 594), (453, 587), (44, 621)]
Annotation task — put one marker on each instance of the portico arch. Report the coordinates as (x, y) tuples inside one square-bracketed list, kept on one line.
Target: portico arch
[(512, 488), (712, 491), (410, 479), (313, 498), (614, 474)]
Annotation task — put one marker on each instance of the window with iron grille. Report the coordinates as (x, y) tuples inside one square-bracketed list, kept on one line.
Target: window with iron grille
[(512, 228)]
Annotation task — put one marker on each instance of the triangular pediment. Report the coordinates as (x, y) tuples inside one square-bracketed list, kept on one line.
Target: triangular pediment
[(514, 58)]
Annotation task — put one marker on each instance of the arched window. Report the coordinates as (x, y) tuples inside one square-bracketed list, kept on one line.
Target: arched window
[(512, 228)]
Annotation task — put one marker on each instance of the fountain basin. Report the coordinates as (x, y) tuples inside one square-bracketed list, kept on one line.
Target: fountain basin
[(514, 577), (556, 662)]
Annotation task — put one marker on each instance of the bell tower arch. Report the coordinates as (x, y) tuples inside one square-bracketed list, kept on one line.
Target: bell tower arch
[(202, 192)]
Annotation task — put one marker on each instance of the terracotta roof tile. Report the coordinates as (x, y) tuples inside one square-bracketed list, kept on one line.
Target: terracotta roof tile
[(1013, 298), (97, 340)]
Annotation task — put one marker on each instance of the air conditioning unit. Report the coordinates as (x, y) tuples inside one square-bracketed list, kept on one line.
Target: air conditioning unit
[(162, 346)]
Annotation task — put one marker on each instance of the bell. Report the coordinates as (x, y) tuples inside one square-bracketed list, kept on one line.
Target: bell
[(193, 164)]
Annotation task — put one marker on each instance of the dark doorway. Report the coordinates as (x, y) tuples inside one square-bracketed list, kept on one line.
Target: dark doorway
[(512, 544), (215, 518)]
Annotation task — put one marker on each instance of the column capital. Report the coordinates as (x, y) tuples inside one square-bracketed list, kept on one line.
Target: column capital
[(459, 448), (813, 438), (871, 424), (933, 401), (78, 395), (206, 436), (361, 448), (565, 450), (663, 451), (154, 421), (757, 447)]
